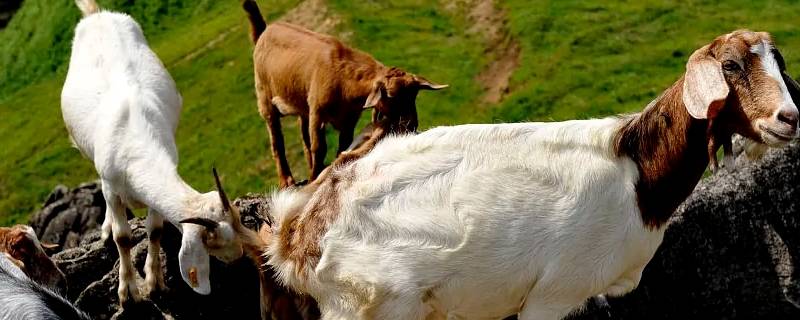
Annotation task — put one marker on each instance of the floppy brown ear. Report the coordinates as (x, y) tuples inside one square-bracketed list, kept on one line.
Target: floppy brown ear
[(703, 83), (375, 96)]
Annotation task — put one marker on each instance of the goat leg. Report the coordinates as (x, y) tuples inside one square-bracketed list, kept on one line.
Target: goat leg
[(154, 277)]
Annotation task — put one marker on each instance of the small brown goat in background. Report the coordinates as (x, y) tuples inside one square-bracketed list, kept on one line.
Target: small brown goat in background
[(321, 80)]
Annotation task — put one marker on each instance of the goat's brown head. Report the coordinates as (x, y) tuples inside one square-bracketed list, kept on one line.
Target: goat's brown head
[(394, 95), (211, 230), (739, 81), (21, 243)]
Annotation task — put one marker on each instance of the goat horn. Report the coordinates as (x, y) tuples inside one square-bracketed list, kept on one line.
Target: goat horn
[(208, 223), (226, 205)]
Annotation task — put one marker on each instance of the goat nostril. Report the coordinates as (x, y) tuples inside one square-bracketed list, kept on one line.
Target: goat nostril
[(788, 117)]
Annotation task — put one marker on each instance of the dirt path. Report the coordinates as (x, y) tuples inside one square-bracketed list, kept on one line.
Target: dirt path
[(315, 15), (312, 14), (503, 50), (208, 46)]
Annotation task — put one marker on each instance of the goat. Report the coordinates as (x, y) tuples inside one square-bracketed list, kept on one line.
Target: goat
[(121, 108), (486, 221), (23, 298), (321, 80), (21, 244)]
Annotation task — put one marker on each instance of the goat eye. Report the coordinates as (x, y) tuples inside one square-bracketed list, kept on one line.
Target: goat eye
[(730, 65)]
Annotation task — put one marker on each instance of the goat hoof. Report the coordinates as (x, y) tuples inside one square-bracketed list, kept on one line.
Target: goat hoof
[(155, 291), (129, 296)]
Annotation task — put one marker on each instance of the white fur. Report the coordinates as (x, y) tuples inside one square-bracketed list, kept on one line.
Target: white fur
[(22, 298), (121, 108), (764, 50), (479, 221)]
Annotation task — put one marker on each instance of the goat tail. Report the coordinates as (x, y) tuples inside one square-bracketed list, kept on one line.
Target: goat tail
[(87, 6), (257, 22)]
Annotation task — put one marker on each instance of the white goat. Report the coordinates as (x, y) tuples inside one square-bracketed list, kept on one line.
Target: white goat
[(121, 108), (486, 221)]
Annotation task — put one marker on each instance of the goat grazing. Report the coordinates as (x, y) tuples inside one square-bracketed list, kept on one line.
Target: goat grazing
[(23, 298), (21, 244), (486, 221), (321, 80), (121, 108)]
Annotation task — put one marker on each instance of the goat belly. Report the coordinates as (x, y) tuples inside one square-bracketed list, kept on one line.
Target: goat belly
[(475, 220)]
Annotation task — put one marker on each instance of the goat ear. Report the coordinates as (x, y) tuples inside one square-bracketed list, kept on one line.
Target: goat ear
[(375, 96), (793, 86), (703, 84), (226, 205), (425, 84)]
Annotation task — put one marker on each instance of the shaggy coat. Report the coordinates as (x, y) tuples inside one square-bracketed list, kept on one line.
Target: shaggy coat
[(485, 221)]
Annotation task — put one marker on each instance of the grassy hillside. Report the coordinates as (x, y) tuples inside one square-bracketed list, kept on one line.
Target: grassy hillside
[(577, 59)]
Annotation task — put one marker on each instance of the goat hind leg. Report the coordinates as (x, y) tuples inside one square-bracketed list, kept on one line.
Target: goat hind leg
[(272, 117), (303, 123), (154, 277), (105, 229), (319, 146)]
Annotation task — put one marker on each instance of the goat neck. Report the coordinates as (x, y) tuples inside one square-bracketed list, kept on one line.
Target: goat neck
[(671, 150), (163, 190)]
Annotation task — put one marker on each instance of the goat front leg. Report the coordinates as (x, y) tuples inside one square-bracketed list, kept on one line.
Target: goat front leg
[(121, 231), (154, 277), (319, 146), (346, 134)]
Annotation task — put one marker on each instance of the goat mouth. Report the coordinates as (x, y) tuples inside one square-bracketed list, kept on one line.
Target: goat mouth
[(781, 137)]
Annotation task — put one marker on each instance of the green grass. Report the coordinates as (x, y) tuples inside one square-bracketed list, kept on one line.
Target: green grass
[(579, 59)]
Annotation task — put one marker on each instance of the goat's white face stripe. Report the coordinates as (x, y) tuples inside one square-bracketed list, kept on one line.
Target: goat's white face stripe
[(764, 50)]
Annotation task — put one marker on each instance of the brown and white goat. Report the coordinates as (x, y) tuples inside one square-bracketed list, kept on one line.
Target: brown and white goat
[(25, 250), (322, 81), (486, 221)]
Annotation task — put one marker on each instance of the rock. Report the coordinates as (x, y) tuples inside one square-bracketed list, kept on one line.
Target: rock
[(92, 275), (68, 214), (732, 251)]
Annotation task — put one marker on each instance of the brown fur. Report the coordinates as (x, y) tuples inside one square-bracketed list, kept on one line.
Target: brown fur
[(35, 263), (672, 149), (322, 81)]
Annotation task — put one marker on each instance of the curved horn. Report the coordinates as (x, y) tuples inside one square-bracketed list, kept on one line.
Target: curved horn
[(226, 205), (208, 223)]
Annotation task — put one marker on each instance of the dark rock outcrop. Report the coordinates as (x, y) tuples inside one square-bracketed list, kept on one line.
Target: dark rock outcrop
[(7, 10), (91, 265), (731, 252), (69, 214)]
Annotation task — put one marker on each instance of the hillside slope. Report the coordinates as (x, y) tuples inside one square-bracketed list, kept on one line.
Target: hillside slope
[(565, 59)]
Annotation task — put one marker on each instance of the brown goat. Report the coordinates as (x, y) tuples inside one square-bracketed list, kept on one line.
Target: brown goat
[(22, 245), (321, 80)]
